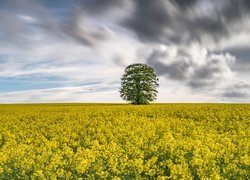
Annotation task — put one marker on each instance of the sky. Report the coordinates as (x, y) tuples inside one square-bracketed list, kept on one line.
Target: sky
[(77, 50)]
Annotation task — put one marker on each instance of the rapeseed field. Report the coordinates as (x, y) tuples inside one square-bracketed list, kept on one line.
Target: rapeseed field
[(117, 141)]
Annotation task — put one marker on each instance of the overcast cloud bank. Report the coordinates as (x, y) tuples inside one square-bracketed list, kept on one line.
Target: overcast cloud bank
[(199, 47)]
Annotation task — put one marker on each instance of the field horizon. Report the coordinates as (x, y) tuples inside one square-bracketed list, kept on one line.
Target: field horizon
[(120, 103)]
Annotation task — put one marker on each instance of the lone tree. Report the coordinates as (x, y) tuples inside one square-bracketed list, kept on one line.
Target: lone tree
[(138, 84)]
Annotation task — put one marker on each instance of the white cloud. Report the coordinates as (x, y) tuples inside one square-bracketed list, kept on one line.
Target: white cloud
[(92, 45), (88, 93), (28, 19)]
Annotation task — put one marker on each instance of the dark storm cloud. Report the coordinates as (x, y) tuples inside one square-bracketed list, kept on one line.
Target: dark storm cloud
[(235, 94), (184, 4), (173, 21), (241, 85), (184, 21), (149, 19), (197, 73), (157, 21), (239, 90), (177, 70)]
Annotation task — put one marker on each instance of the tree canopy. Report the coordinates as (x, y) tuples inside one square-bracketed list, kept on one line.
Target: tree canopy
[(138, 84)]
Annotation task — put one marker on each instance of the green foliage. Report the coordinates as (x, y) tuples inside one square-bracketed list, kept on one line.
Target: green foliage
[(160, 141), (138, 84)]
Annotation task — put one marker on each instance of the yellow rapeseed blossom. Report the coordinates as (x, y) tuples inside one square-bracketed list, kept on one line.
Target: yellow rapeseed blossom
[(100, 141)]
